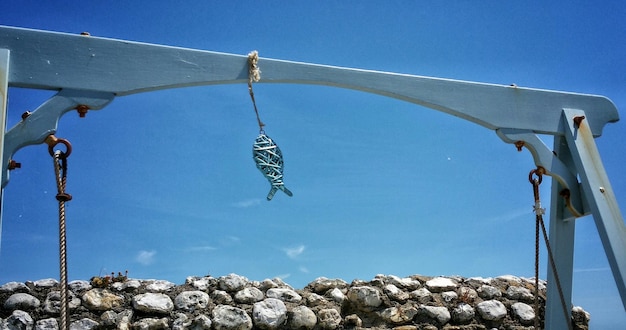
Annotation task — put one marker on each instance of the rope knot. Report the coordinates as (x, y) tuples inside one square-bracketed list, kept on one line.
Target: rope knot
[(64, 197)]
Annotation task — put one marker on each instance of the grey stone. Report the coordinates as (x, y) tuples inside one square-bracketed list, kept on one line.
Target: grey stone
[(422, 295), (22, 301), (399, 315), (329, 318), (101, 300), (47, 324), (284, 294), (353, 321), (491, 310), (519, 293), (155, 303), (249, 295), (270, 313), (221, 297), (200, 322), (79, 286), (267, 284), (336, 295), (463, 313), (314, 299), (52, 304), (394, 293), (14, 287), (152, 324), (322, 284), (364, 297), (230, 318), (232, 282), (405, 282), (523, 312), (83, 324), (449, 296), (488, 292), (441, 314), (160, 286), (201, 283), (19, 320), (302, 317), (124, 318), (46, 283), (108, 318), (190, 301), (440, 284)]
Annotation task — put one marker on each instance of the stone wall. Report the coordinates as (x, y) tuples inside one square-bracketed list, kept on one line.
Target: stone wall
[(234, 302)]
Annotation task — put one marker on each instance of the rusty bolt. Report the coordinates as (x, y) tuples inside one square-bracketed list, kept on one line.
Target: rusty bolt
[(82, 110), (578, 120), (519, 145), (26, 115), (13, 165)]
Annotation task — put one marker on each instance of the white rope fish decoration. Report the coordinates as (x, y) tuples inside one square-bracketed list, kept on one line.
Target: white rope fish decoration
[(266, 154), (269, 160)]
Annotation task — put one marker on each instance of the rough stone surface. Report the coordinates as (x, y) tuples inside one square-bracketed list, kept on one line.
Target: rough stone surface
[(233, 302), (270, 313), (231, 318), (153, 303)]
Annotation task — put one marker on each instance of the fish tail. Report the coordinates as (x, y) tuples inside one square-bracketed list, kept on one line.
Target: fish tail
[(286, 191), (272, 192)]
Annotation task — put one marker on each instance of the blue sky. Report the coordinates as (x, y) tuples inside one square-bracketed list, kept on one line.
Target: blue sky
[(164, 183)]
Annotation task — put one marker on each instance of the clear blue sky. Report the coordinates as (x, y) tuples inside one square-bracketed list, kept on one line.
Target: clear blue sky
[(164, 183)]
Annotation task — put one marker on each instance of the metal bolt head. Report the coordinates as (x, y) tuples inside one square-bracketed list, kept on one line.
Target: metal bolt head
[(602, 190)]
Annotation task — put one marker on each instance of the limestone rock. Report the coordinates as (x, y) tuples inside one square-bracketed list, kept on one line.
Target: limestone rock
[(364, 296), (79, 286), (18, 320), (329, 318), (230, 318), (523, 312), (422, 295), (160, 286), (200, 322), (491, 310), (302, 317), (153, 303), (191, 300), (152, 324), (52, 304), (83, 324), (336, 295), (270, 313), (394, 293), (249, 295), (463, 313), (284, 294), (22, 301), (221, 297), (398, 315), (449, 296), (46, 283), (315, 299), (201, 283), (488, 292), (232, 282), (519, 293), (101, 299), (47, 324), (14, 287), (353, 321), (322, 284), (440, 284), (441, 314)]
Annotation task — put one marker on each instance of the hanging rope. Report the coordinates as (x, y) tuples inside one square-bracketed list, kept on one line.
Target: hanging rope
[(60, 169), (539, 212), (254, 75)]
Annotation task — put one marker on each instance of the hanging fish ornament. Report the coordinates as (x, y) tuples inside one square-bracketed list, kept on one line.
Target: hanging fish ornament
[(269, 160), (266, 154)]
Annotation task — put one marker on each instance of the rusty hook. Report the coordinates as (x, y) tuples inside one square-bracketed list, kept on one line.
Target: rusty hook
[(52, 141)]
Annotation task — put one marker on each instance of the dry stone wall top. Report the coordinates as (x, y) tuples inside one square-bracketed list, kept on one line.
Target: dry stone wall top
[(233, 302)]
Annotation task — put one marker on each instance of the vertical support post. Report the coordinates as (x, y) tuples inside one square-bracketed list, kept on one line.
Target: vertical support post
[(562, 244), (598, 194), (4, 92)]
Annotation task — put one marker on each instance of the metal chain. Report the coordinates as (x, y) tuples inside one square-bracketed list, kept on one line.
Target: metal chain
[(539, 212), (60, 170)]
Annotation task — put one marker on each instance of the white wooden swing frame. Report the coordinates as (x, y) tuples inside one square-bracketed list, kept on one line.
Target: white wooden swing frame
[(88, 72)]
